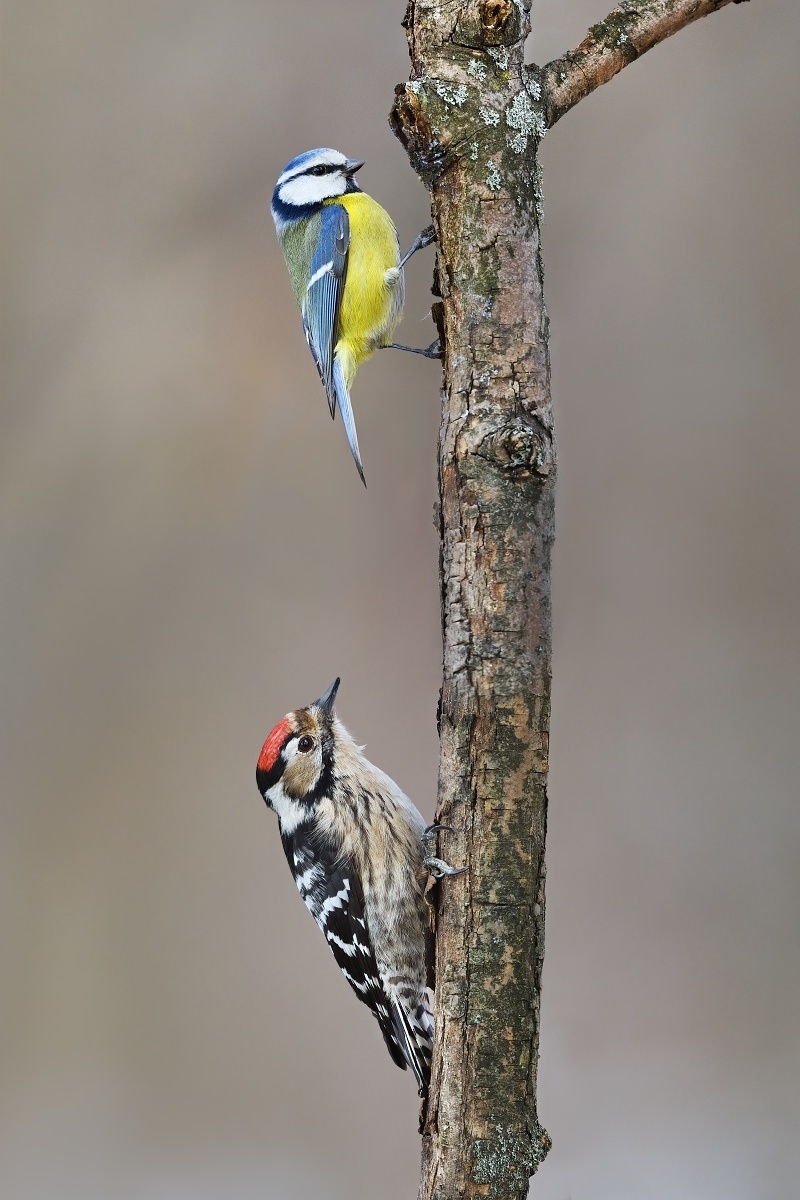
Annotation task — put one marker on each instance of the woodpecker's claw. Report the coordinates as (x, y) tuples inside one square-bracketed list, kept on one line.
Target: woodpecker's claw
[(435, 866), (438, 868), (422, 240), (429, 838)]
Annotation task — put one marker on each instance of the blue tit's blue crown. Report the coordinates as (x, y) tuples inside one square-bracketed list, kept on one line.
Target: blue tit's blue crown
[(308, 158)]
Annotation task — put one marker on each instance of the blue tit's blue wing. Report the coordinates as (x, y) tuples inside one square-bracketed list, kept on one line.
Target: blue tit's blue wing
[(323, 296)]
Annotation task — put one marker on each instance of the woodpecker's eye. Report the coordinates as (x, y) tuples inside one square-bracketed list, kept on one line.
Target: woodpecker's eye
[(305, 744)]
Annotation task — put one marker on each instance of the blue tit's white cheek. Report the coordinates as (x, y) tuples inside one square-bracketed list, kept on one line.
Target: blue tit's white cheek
[(303, 190)]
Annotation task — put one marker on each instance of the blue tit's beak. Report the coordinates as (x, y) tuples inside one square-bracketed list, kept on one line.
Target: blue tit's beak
[(327, 701), (350, 167)]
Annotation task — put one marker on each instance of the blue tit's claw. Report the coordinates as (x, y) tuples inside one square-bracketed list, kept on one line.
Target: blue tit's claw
[(432, 351), (422, 240)]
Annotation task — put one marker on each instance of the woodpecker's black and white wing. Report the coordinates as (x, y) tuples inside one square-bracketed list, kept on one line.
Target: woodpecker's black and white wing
[(323, 296), (333, 895), (413, 1028)]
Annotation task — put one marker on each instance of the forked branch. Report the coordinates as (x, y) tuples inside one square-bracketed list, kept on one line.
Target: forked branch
[(629, 31)]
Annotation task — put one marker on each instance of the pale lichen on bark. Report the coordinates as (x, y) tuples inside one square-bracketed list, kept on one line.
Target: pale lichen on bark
[(471, 118)]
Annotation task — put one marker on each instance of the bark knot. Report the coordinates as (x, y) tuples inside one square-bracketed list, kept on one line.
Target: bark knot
[(425, 145), (490, 23), (520, 448), (495, 14)]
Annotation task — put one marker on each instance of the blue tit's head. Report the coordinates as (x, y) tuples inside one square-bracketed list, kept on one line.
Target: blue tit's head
[(309, 179)]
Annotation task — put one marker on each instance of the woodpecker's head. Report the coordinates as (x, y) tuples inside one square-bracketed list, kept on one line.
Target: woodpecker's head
[(295, 764)]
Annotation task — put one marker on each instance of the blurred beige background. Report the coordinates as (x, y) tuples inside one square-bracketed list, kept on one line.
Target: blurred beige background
[(187, 552)]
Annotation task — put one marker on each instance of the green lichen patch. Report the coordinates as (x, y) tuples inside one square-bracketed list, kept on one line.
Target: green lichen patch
[(525, 121), (476, 68), (451, 93), (482, 272), (507, 1158), (532, 83), (613, 32), (500, 56)]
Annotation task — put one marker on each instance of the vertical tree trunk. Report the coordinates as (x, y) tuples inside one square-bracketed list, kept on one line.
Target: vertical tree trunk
[(470, 121)]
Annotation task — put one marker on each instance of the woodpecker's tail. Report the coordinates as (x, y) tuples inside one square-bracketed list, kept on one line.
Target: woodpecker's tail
[(413, 1028), (346, 409)]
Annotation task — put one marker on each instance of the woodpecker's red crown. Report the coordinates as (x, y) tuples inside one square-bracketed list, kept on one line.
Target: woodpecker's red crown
[(275, 743)]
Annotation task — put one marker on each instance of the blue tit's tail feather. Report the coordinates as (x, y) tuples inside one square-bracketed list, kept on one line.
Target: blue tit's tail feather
[(346, 409)]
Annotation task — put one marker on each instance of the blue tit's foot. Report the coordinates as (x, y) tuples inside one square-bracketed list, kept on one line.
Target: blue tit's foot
[(422, 240), (432, 351), (436, 866)]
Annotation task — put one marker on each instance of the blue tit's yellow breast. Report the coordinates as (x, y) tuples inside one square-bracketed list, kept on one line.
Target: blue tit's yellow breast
[(370, 305)]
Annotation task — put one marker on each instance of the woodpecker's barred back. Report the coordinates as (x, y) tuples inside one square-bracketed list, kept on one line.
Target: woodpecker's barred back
[(354, 843)]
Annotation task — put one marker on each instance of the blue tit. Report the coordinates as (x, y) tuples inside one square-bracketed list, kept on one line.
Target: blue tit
[(343, 256)]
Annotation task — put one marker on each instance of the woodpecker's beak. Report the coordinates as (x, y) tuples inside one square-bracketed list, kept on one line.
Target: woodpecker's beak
[(327, 701)]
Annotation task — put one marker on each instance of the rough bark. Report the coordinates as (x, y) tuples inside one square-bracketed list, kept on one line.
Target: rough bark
[(471, 118)]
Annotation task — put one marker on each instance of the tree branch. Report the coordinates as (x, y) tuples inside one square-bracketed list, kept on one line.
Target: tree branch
[(633, 28), (471, 118)]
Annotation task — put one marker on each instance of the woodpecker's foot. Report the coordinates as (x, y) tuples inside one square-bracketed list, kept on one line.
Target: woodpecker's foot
[(438, 868), (432, 351), (429, 838), (435, 866), (422, 240)]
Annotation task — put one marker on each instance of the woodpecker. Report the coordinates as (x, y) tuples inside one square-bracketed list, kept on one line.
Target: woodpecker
[(360, 855)]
